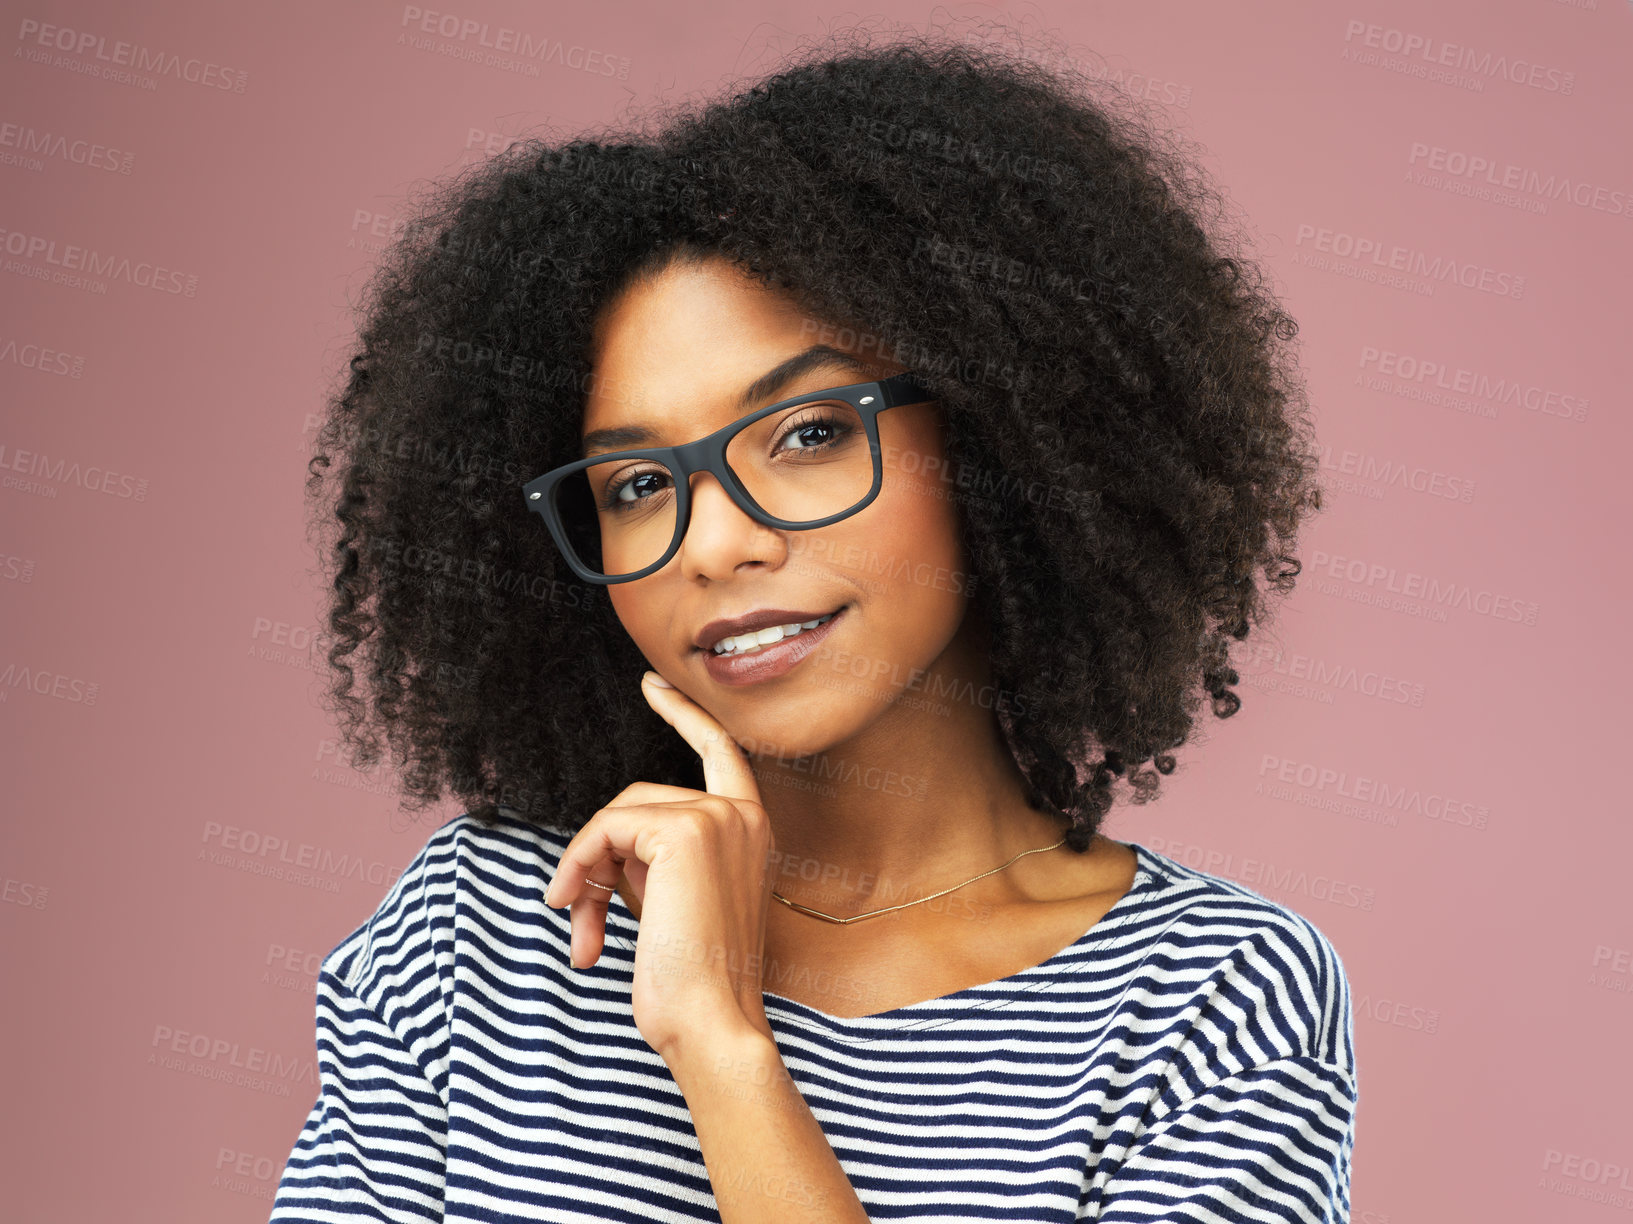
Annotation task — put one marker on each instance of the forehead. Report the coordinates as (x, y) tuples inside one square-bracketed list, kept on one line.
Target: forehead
[(810, 370), (680, 350)]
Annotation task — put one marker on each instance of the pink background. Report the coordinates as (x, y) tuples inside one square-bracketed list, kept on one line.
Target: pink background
[(1421, 763)]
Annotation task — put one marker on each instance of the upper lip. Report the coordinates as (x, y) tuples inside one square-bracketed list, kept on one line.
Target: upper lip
[(760, 618)]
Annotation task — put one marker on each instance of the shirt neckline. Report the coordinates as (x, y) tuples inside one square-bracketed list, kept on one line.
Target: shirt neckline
[(1146, 872)]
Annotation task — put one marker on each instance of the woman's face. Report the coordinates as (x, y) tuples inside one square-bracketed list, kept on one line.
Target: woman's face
[(675, 354)]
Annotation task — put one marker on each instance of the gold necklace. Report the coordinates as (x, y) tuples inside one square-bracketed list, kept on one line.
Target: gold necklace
[(815, 913)]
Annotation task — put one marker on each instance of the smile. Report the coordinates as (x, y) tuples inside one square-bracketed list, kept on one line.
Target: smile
[(749, 643), (735, 661)]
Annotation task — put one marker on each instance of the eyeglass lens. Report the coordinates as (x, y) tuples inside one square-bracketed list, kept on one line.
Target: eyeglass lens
[(803, 464)]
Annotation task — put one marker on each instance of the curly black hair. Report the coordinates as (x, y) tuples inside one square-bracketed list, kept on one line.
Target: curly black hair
[(1015, 233)]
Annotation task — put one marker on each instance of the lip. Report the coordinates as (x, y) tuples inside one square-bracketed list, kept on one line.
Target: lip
[(772, 661), (760, 618)]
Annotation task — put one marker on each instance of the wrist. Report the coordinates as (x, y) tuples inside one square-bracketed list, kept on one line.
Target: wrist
[(722, 1056)]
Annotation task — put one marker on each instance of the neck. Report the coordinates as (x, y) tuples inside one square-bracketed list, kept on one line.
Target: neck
[(926, 796)]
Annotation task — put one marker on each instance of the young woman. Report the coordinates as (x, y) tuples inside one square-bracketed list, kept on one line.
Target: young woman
[(781, 533)]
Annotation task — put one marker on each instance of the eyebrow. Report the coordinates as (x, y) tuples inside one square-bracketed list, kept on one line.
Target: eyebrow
[(765, 387)]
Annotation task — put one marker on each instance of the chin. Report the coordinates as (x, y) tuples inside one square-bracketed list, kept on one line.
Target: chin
[(775, 736)]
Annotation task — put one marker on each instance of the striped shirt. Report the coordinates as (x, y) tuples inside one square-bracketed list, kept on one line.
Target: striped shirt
[(1189, 1058)]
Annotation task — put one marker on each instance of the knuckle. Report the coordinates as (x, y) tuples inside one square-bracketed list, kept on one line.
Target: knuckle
[(718, 807), (698, 819)]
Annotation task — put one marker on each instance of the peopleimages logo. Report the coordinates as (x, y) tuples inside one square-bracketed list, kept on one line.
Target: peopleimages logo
[(1427, 54), (69, 257), (83, 51), (31, 142), (1478, 170), (1439, 594), (1381, 472), (41, 357), (268, 854), (1575, 1175), (502, 46), (1326, 783), (1432, 374), (1264, 876), (1374, 255), (229, 1061), (40, 467)]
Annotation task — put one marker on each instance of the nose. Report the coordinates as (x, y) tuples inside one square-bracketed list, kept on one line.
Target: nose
[(721, 535)]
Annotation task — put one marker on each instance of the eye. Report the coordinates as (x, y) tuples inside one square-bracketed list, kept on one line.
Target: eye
[(612, 497), (822, 422)]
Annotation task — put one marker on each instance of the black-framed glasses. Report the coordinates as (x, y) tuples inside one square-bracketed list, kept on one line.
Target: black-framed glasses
[(797, 464)]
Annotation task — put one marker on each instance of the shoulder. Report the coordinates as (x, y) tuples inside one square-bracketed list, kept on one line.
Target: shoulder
[(494, 866), (1260, 981), (390, 985)]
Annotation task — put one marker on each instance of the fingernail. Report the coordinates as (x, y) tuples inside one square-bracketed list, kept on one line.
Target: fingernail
[(656, 679)]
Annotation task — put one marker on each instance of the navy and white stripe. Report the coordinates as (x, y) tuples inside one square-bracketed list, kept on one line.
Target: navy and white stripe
[(1189, 1058)]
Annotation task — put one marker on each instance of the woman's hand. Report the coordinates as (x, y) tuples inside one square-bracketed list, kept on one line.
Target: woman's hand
[(697, 862)]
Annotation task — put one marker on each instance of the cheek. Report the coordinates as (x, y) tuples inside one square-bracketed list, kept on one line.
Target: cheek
[(918, 555), (921, 517), (645, 625)]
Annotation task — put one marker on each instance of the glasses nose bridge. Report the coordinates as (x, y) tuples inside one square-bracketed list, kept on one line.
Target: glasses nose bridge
[(720, 491)]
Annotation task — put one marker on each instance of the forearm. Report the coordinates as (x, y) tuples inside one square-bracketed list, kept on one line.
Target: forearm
[(768, 1160)]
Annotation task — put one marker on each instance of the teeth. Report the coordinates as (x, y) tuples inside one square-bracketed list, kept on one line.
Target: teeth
[(747, 643)]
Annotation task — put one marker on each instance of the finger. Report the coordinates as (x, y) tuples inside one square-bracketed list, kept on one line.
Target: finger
[(597, 852), (652, 793), (725, 767), (589, 923), (587, 920)]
